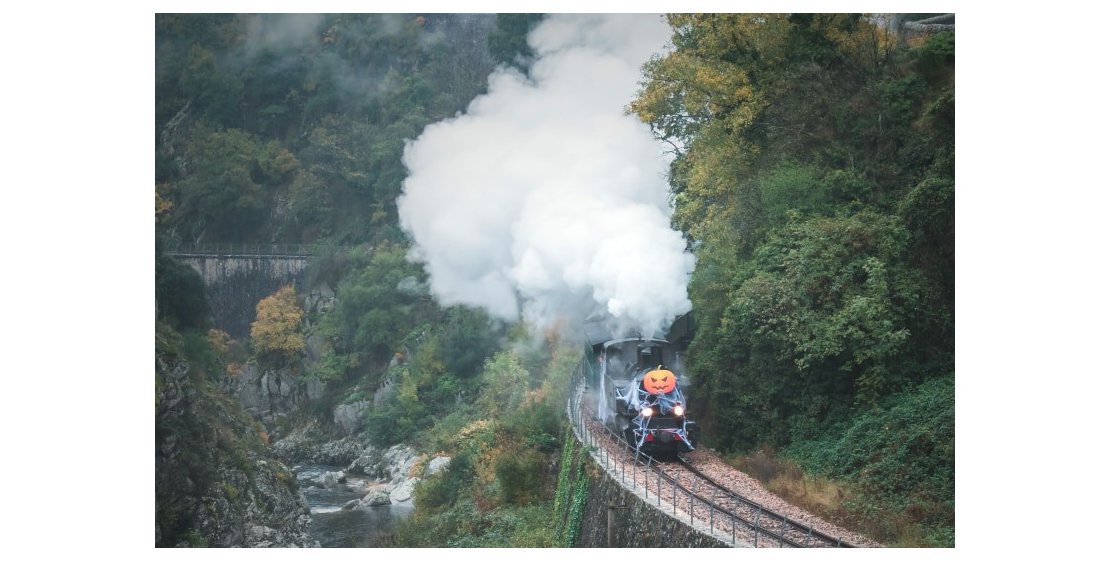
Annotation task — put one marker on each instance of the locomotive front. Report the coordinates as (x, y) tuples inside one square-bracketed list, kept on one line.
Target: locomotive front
[(648, 403), (660, 423)]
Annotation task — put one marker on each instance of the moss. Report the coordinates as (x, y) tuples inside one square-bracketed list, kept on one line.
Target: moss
[(577, 510), (287, 479), (230, 491), (194, 539), (562, 489)]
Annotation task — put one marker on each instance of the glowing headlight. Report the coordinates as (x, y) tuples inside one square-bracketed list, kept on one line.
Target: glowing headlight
[(679, 410), (646, 412)]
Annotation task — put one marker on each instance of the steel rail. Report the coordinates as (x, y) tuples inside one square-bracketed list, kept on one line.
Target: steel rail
[(794, 525), (652, 464)]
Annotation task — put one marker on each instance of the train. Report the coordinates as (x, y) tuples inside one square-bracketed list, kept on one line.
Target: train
[(641, 393)]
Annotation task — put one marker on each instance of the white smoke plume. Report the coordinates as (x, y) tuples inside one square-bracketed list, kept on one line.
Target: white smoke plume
[(545, 200)]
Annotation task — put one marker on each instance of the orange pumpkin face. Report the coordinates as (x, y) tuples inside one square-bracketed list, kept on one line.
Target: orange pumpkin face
[(659, 382)]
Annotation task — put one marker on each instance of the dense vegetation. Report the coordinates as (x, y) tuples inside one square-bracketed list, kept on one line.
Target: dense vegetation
[(502, 487), (815, 178), (290, 129), (280, 128)]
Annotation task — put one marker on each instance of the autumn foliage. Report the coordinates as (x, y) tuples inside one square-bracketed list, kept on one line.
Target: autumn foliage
[(276, 332)]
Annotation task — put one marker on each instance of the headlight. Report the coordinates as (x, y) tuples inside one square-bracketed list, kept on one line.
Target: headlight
[(679, 410), (646, 412)]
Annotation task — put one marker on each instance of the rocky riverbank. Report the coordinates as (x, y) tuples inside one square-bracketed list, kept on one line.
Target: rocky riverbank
[(378, 476)]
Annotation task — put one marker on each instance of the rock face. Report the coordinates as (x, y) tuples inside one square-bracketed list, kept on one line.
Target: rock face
[(350, 416), (393, 468), (272, 395), (309, 444), (437, 465), (215, 483), (319, 300), (403, 491), (314, 388)]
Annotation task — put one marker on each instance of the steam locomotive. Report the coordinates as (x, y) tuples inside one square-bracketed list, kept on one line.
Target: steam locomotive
[(640, 394)]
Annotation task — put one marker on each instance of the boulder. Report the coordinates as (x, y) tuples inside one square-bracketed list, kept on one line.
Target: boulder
[(376, 498), (436, 465), (268, 395), (403, 491), (399, 460), (331, 480), (340, 452), (259, 533)]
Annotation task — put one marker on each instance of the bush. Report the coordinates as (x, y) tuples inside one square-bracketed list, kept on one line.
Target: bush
[(937, 54), (468, 338), (520, 476), (446, 488), (901, 456), (904, 446), (179, 294), (447, 433), (392, 424)]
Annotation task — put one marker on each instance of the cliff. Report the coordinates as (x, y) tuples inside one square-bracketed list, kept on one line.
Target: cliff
[(215, 482)]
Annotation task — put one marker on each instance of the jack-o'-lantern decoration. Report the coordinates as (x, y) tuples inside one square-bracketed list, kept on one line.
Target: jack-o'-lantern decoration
[(660, 381)]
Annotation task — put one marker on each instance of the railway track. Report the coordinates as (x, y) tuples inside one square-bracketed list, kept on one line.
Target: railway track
[(770, 525), (726, 513)]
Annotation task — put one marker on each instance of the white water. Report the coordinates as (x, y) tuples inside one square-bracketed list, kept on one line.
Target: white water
[(335, 527)]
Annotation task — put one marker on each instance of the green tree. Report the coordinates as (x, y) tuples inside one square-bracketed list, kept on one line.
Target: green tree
[(227, 188), (817, 321), (179, 293), (504, 382), (508, 41), (379, 306), (468, 337)]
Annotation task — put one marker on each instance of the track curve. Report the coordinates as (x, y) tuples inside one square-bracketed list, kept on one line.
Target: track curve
[(688, 493)]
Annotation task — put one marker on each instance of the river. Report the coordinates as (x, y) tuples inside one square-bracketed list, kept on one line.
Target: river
[(335, 527)]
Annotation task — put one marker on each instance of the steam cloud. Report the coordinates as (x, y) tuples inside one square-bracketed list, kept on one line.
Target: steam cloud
[(545, 200)]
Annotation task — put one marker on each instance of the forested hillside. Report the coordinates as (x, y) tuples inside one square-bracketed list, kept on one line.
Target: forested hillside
[(813, 177), (276, 128), (290, 129)]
